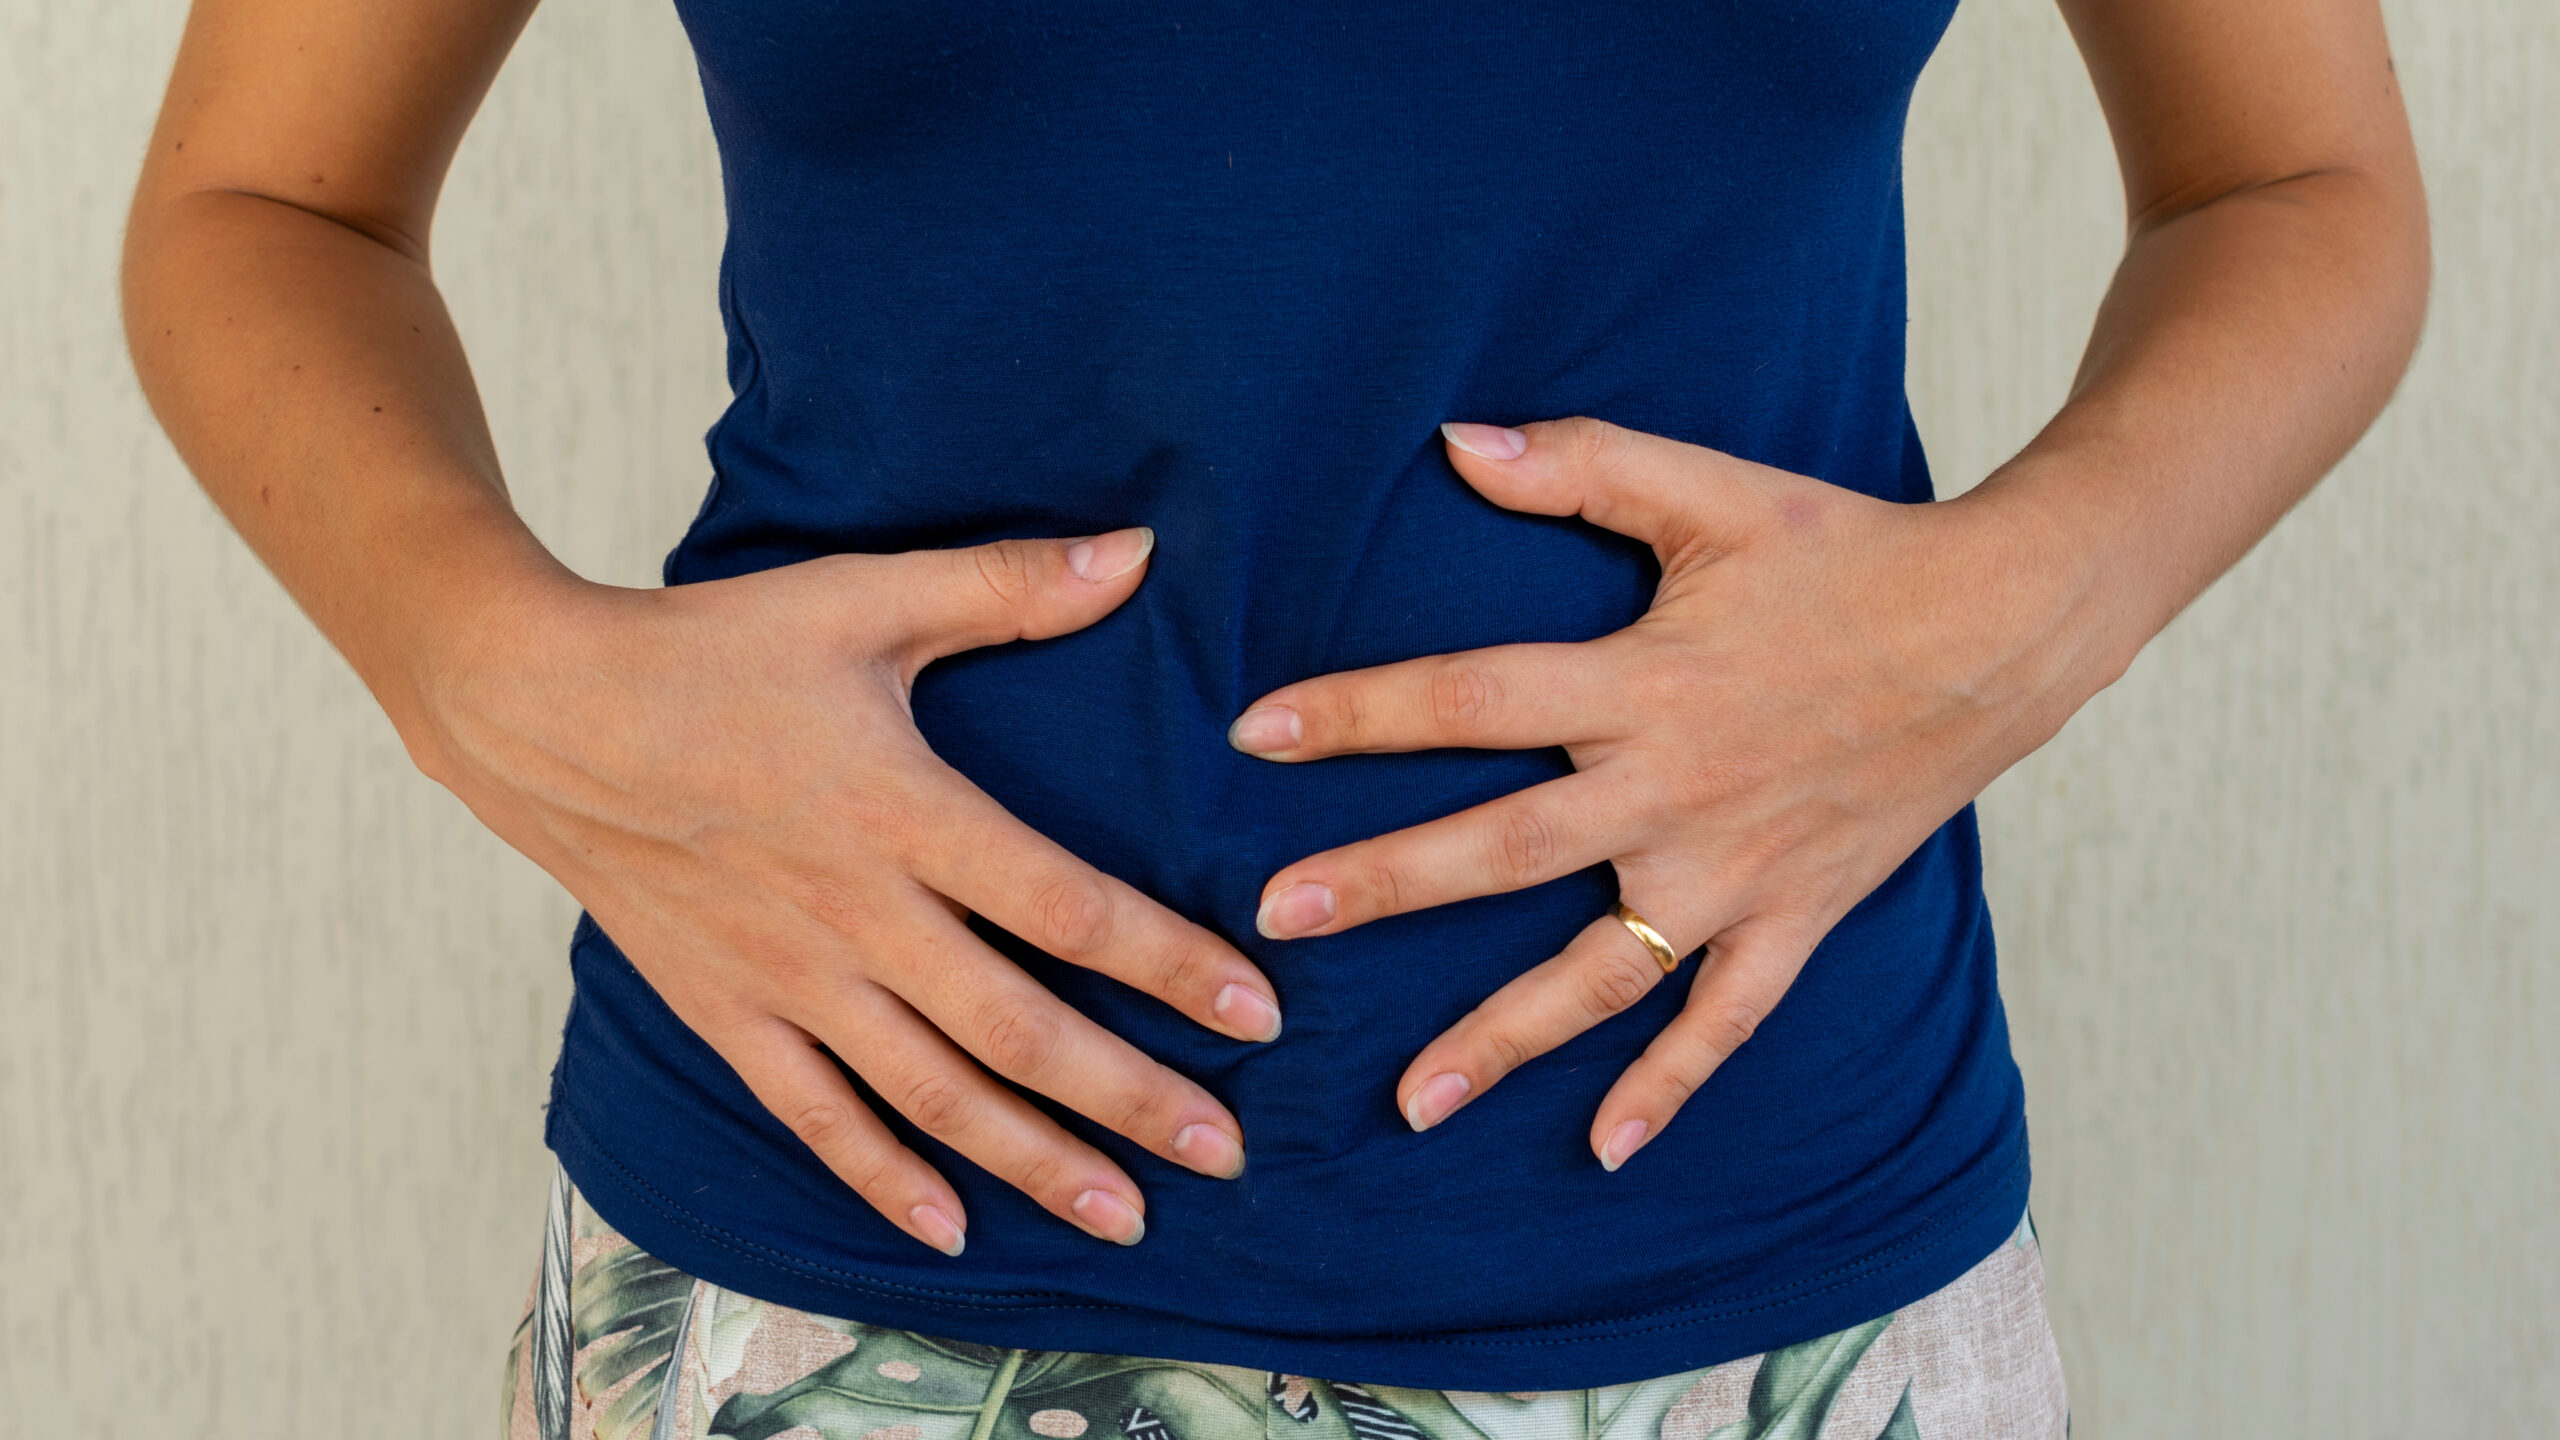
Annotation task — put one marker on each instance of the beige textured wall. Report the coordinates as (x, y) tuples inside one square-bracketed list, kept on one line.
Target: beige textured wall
[(2281, 910)]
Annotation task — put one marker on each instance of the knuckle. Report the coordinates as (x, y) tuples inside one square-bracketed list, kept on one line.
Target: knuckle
[(1006, 569), (1187, 970), (1658, 809), (840, 905), (728, 1020), (1729, 1026), (1384, 886), (1594, 444), (1665, 683), (1043, 1174), (1612, 982), (1073, 913), (1462, 698), (939, 1104), (826, 1126), (1525, 845), (1338, 715), (784, 974), (873, 1172), (1701, 776), (778, 963), (1761, 851), (887, 815), (1020, 1037), (1505, 1048), (1140, 1112)]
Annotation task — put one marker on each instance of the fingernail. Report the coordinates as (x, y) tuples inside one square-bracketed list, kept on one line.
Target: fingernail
[(1295, 911), (1108, 557), (1438, 1096), (1624, 1141), (1247, 1013), (1266, 730), (1209, 1150), (937, 1229), (1493, 442), (1109, 1216)]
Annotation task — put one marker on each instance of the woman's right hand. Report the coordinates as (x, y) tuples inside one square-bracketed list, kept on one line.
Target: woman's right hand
[(728, 776), (725, 774)]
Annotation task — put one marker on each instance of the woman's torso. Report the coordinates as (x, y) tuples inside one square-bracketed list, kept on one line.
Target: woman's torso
[(1053, 268)]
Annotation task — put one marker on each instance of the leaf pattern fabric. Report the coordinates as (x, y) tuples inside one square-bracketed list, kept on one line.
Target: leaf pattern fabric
[(642, 1351)]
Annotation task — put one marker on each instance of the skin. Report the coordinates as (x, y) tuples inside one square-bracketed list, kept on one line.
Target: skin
[(1821, 681)]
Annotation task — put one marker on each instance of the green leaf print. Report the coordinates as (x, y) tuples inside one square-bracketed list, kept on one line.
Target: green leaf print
[(629, 1307), (515, 1373), (1632, 1411), (1546, 1414), (728, 1322), (1792, 1394), (900, 1386), (1904, 1425), (1636, 1411), (1395, 1412), (1190, 1402)]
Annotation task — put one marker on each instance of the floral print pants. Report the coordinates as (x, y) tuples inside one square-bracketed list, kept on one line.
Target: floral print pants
[(617, 1345)]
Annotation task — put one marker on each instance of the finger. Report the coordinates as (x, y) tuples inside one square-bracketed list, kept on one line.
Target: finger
[(945, 601), (1017, 1029), (1524, 838), (1674, 496), (1747, 972), (788, 1073), (919, 1071), (1601, 972), (1506, 697), (1036, 889)]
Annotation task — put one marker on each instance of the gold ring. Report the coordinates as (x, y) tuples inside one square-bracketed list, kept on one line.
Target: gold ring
[(1663, 955)]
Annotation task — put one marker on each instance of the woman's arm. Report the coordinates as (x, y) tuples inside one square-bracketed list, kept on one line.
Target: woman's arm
[(725, 775), (1825, 678), (2270, 295), (289, 334)]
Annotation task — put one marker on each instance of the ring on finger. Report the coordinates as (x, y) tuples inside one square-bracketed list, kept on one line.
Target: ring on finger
[(1642, 929)]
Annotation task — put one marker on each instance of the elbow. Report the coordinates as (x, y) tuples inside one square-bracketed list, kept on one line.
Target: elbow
[(141, 262), (2416, 269), (2380, 220), (2390, 227), (2361, 223), (192, 241)]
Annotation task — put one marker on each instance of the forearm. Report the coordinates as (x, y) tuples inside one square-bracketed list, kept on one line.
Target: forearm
[(310, 376), (2244, 346)]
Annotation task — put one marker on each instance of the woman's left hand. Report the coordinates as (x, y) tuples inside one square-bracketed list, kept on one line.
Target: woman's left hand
[(1822, 680)]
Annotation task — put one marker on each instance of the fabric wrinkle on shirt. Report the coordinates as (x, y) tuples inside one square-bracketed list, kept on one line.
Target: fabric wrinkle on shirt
[(1032, 269)]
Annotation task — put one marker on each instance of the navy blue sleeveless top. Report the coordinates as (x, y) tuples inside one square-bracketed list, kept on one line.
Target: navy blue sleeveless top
[(1048, 267)]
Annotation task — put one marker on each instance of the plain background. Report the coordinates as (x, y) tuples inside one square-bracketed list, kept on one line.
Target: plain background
[(2279, 912)]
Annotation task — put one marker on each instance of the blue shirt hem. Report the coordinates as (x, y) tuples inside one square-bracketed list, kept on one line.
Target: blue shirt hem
[(1929, 1253)]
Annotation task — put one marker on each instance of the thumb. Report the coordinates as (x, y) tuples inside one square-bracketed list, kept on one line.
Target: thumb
[(945, 601), (1670, 494)]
